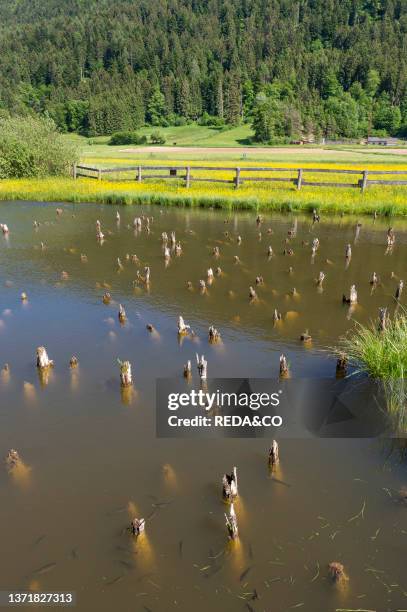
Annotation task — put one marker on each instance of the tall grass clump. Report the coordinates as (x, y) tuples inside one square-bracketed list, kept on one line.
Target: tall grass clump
[(382, 354), (33, 147)]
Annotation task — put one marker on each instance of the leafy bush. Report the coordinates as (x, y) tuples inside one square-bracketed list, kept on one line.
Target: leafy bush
[(211, 120), (157, 137), (126, 138), (177, 120), (33, 147)]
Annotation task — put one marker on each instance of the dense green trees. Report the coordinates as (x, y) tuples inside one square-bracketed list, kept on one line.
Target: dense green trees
[(335, 68)]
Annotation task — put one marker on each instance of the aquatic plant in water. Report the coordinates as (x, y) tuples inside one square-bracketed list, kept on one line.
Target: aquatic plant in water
[(382, 354)]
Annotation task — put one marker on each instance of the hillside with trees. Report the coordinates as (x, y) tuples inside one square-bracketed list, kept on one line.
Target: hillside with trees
[(333, 68)]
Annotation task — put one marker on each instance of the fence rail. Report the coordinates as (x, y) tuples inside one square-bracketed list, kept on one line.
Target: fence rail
[(242, 174)]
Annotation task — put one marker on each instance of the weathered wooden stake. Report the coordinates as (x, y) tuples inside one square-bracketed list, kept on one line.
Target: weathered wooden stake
[(73, 362), (299, 178), (391, 237), (353, 296), (99, 233), (231, 523), (399, 290), (214, 335), (229, 486), (183, 328), (126, 379), (306, 337), (147, 275), (341, 366), (188, 369), (252, 294), (336, 571), (237, 178), (277, 316), (202, 366), (138, 526), (188, 177), (139, 174), (364, 180), (12, 459), (382, 319), (43, 361), (284, 369), (274, 458), (122, 314)]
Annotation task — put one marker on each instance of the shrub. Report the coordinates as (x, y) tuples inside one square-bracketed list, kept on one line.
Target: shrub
[(126, 138), (177, 120), (157, 137), (33, 147), (211, 120)]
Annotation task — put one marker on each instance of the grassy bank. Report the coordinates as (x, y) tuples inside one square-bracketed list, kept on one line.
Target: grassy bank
[(123, 189), (257, 196)]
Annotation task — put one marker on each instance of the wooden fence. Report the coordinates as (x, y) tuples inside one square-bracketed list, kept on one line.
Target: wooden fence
[(240, 175)]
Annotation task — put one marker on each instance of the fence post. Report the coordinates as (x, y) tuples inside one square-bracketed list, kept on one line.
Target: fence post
[(364, 180), (237, 178), (99, 174), (299, 178), (139, 174), (188, 177), (74, 171)]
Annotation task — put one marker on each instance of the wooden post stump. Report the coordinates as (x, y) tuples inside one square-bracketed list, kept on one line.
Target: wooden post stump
[(299, 178), (237, 178), (364, 180)]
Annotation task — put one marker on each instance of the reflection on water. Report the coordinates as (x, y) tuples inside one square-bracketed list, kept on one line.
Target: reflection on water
[(91, 445)]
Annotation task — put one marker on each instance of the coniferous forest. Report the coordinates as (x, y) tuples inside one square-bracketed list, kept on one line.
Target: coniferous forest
[(332, 68)]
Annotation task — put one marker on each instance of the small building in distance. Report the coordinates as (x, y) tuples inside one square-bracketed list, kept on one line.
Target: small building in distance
[(383, 141)]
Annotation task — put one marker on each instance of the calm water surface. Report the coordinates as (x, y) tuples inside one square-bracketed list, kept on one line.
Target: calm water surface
[(91, 458)]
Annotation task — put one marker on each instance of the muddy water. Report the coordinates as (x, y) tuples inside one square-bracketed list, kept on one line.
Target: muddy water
[(92, 462)]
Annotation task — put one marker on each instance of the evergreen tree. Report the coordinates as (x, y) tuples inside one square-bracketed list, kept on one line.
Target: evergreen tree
[(156, 108)]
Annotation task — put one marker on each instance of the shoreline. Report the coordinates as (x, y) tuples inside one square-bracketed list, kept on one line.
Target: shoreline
[(387, 202)]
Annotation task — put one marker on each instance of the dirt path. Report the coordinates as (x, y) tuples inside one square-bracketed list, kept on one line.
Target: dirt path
[(298, 150)]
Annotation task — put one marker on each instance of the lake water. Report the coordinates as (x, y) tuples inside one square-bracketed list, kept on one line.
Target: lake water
[(91, 458)]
